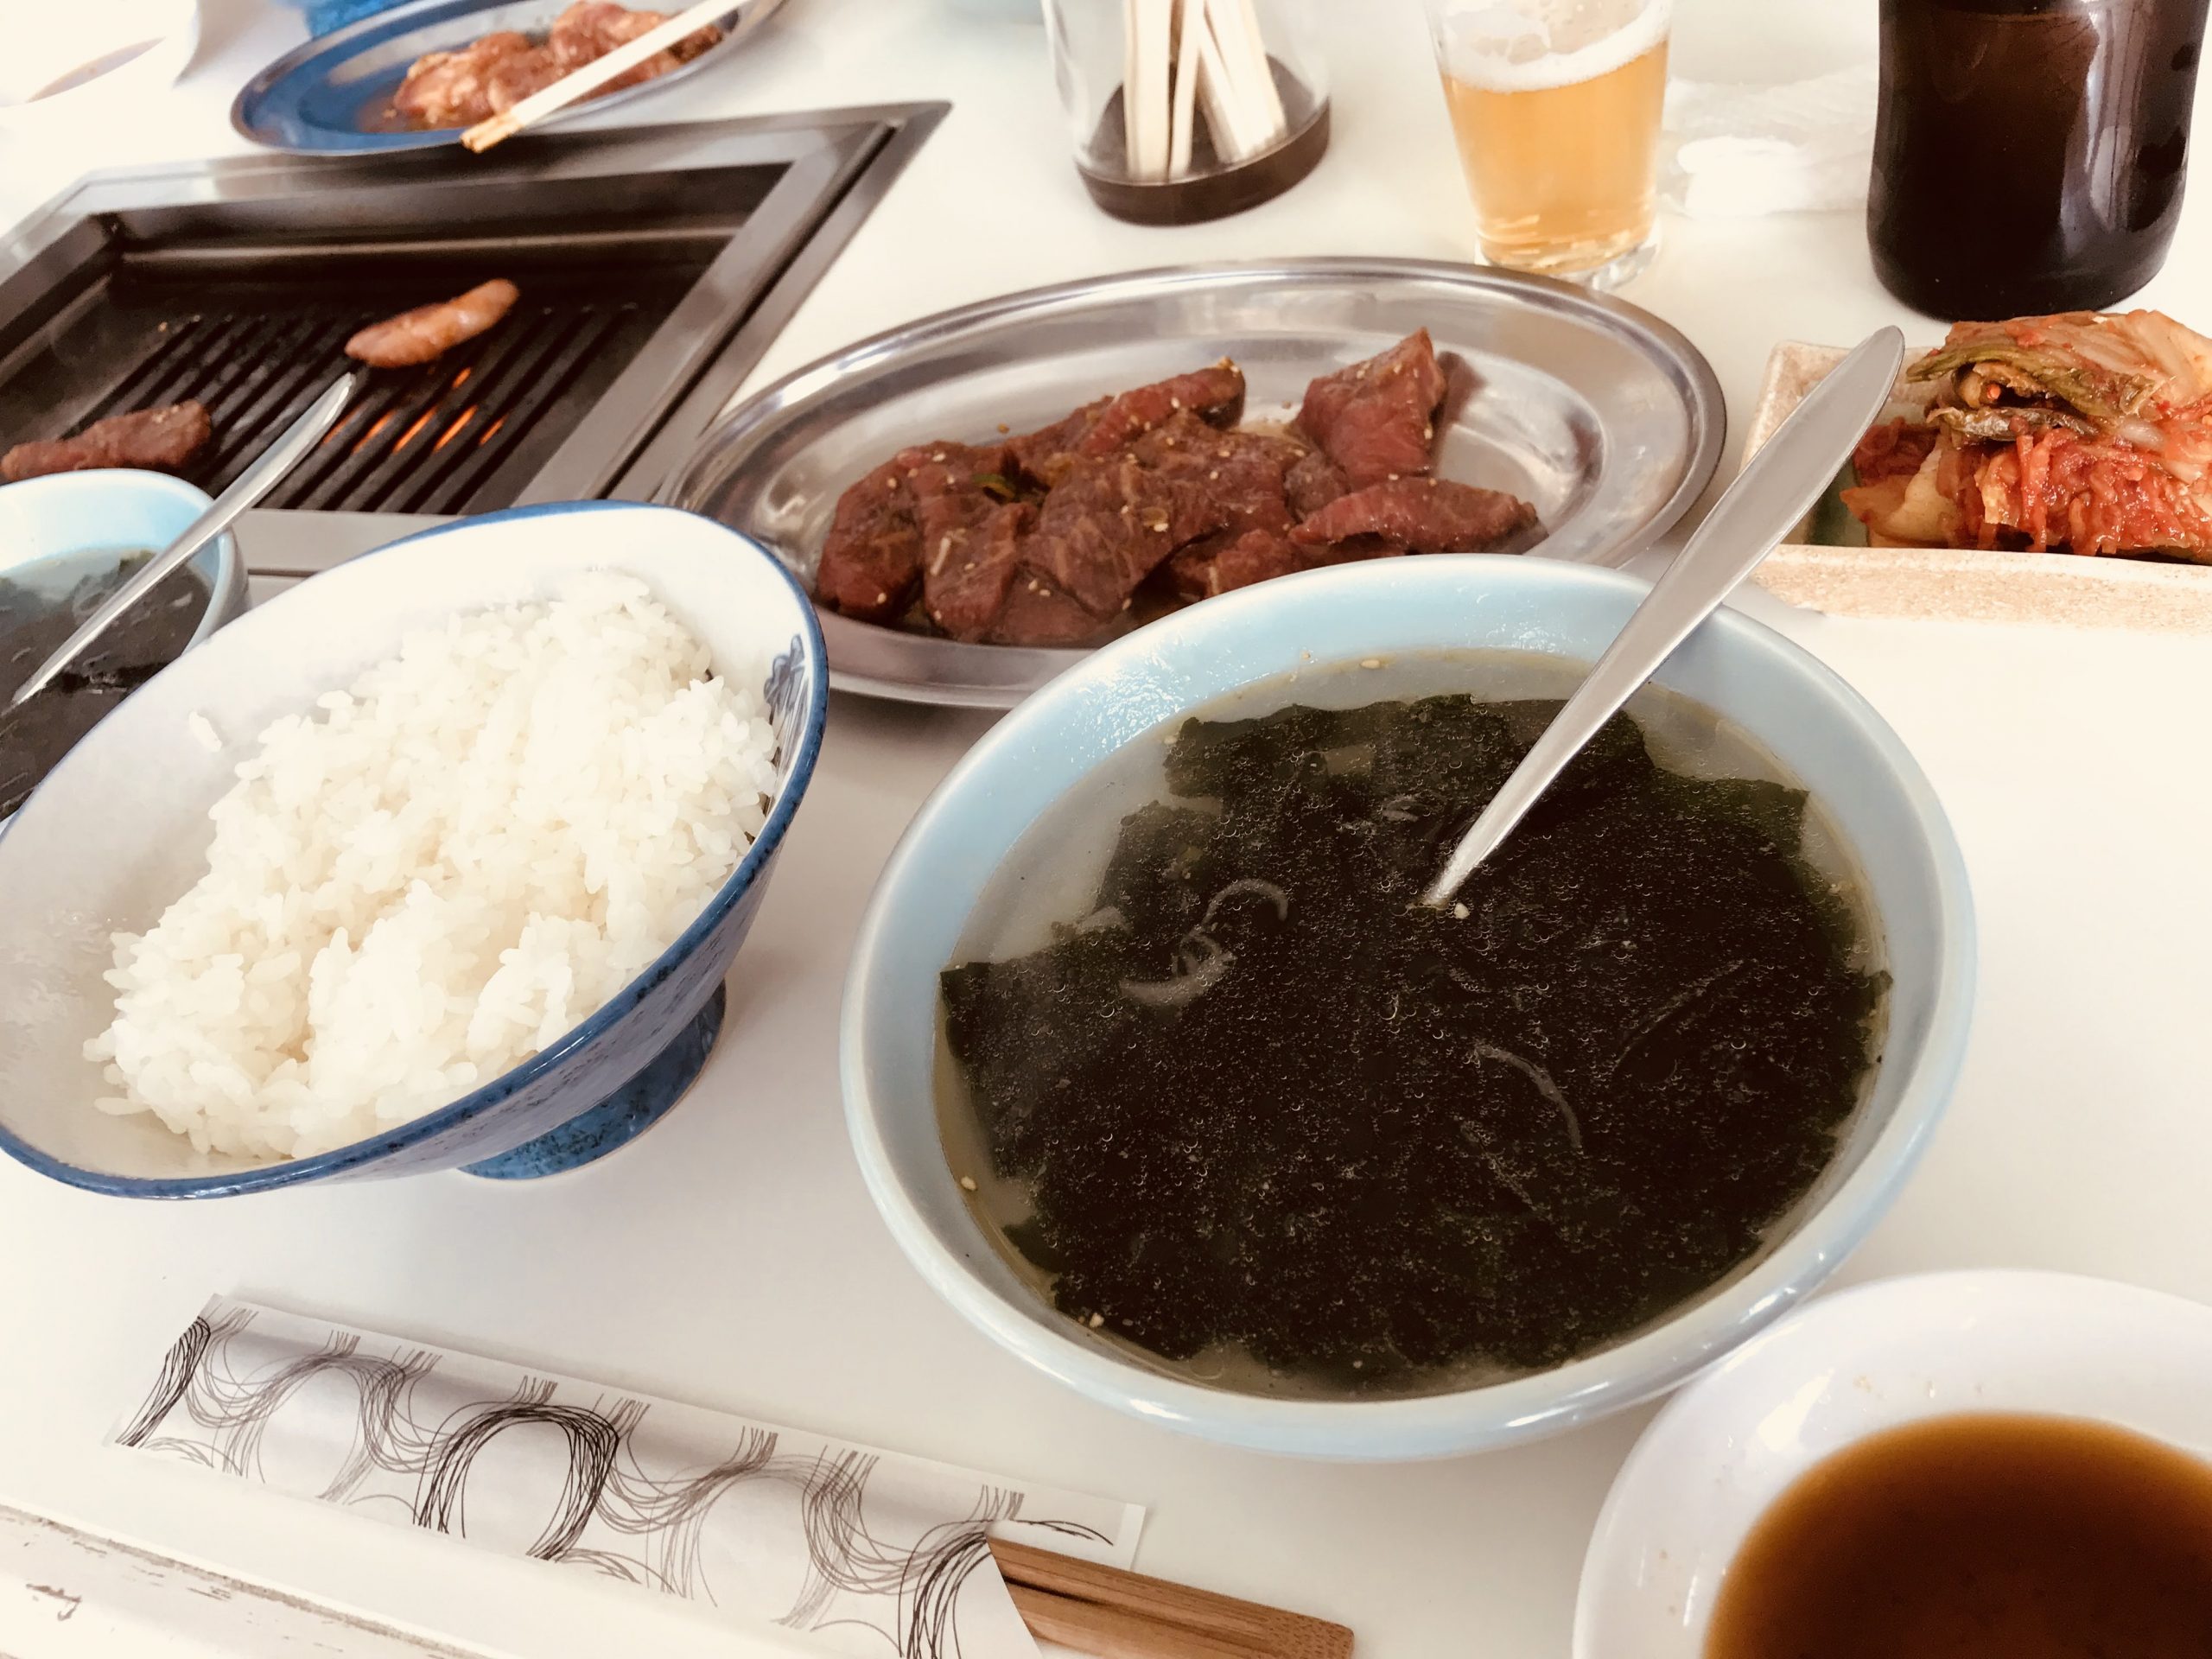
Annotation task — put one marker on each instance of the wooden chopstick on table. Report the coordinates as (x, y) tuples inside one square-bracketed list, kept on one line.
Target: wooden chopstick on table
[(581, 83), (1115, 1614)]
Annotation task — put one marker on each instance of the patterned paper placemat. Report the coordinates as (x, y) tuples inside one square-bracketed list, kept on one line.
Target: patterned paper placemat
[(874, 1554)]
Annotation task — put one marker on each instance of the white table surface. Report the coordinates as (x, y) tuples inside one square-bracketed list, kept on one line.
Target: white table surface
[(731, 1258)]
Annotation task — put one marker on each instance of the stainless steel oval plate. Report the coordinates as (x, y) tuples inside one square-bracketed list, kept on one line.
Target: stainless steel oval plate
[(1602, 415), (320, 98)]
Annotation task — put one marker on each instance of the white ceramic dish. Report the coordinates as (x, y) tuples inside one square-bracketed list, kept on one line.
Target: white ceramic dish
[(1851, 1364), (1822, 731), (69, 63)]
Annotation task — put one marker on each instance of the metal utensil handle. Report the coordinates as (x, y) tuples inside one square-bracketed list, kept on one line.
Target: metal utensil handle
[(581, 83), (249, 487), (1773, 491)]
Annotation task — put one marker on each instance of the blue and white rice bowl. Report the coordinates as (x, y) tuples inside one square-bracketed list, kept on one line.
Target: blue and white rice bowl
[(120, 830)]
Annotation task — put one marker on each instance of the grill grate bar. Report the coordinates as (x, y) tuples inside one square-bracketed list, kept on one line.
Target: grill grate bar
[(414, 455), (124, 393), (271, 396), (404, 403), (223, 368), (213, 357), (315, 481), (502, 423), (165, 374), (425, 439)]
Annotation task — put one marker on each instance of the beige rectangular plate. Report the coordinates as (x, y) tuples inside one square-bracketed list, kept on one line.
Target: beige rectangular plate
[(1820, 572)]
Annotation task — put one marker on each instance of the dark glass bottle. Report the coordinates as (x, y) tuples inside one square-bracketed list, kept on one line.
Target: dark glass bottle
[(2029, 155)]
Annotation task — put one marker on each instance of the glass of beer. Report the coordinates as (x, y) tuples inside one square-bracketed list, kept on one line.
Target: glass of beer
[(1555, 104)]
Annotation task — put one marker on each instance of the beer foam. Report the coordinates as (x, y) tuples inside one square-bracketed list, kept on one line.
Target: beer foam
[(1531, 45)]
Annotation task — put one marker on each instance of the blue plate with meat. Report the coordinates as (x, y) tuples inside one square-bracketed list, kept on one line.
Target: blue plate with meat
[(417, 74), (977, 499)]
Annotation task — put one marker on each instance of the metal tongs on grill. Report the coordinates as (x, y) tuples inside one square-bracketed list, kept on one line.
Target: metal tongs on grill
[(251, 486), (1771, 493)]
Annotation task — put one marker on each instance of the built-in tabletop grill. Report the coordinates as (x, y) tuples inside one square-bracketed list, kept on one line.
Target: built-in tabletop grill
[(654, 266), (425, 440)]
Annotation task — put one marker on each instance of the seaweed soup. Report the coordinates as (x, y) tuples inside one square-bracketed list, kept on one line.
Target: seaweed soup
[(42, 604), (1222, 1091)]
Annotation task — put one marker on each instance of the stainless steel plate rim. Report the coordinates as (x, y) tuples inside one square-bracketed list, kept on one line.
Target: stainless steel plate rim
[(250, 121), (851, 643)]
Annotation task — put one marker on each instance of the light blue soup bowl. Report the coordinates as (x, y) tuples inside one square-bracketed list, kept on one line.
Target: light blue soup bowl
[(118, 510), (1376, 616), (119, 830)]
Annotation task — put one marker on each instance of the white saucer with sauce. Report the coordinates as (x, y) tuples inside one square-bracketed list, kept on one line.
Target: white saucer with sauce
[(1851, 1364)]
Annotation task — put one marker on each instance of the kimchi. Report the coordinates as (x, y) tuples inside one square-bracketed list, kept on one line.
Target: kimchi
[(2087, 432)]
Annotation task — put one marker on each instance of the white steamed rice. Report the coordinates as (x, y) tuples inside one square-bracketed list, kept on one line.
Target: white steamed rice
[(440, 872)]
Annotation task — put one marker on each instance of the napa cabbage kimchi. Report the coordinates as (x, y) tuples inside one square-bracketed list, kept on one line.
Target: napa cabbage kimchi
[(2087, 432)]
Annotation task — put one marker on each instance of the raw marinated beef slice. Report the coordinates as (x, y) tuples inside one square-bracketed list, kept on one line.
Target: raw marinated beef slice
[(1244, 474), (1424, 515), (1215, 394), (1111, 522), (1377, 419), (1040, 613), (1313, 484), (1256, 555), (871, 559), (453, 89), (971, 551)]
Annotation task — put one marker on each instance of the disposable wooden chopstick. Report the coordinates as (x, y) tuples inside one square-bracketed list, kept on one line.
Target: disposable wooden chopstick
[(1257, 74), (1121, 1615), (1183, 119), (1132, 72), (1145, 112), (1236, 82), (1217, 92), (1181, 57), (1235, 111), (581, 83), (1104, 1632)]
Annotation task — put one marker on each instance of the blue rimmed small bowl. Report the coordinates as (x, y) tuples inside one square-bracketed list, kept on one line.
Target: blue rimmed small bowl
[(119, 511), (119, 830)]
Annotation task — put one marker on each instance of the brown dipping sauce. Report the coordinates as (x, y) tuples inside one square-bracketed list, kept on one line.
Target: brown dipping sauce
[(1995, 1536), (41, 606)]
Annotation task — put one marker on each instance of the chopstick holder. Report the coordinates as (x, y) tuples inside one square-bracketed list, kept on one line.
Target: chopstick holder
[(868, 1551)]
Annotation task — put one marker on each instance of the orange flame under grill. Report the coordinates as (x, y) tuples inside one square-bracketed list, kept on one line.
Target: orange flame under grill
[(454, 431)]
